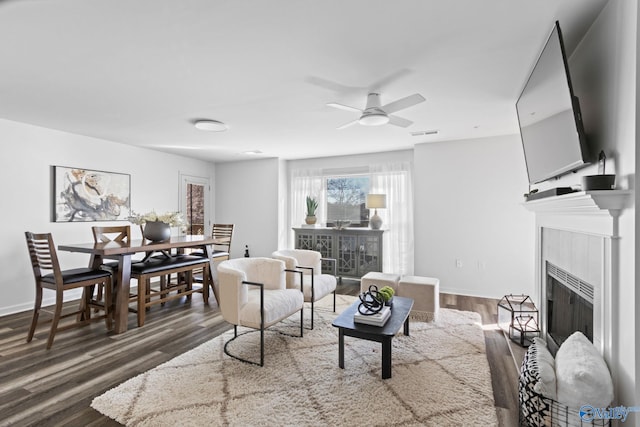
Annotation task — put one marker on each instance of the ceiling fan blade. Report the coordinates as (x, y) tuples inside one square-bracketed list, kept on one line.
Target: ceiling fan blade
[(331, 85), (382, 84), (399, 121), (346, 125), (344, 107), (403, 103)]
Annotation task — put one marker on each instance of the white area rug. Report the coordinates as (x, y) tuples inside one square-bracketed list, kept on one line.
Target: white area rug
[(440, 376)]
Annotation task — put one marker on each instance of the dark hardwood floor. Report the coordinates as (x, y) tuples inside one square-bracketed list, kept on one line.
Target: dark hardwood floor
[(55, 387)]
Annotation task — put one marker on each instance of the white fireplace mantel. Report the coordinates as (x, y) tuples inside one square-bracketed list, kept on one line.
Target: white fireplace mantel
[(587, 222), (583, 203)]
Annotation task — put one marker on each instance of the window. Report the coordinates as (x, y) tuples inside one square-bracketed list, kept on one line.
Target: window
[(346, 197), (194, 202), (331, 186), (195, 209)]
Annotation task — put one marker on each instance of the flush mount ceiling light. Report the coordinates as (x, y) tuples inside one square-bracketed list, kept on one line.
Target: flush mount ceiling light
[(210, 125)]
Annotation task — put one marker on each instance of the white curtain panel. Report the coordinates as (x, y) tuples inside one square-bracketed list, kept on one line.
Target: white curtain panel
[(393, 179), (306, 182), (396, 181)]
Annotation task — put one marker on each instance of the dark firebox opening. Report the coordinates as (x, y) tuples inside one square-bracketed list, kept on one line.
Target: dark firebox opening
[(567, 312)]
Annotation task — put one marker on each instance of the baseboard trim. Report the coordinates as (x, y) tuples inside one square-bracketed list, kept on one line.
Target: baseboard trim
[(46, 302), (517, 352)]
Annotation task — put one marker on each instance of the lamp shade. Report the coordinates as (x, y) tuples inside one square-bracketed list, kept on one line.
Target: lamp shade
[(376, 201)]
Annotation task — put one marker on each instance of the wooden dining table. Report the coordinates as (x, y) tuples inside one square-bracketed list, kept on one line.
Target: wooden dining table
[(123, 251)]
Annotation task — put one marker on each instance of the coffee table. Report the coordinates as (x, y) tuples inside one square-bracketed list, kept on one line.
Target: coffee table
[(382, 334)]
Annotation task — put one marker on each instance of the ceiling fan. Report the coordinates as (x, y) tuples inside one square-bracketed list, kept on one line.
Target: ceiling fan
[(375, 115)]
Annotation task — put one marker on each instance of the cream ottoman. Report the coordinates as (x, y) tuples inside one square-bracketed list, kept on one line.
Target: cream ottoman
[(380, 280), (425, 292)]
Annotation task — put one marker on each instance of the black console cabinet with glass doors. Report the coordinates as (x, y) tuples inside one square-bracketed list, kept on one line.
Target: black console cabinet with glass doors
[(357, 250)]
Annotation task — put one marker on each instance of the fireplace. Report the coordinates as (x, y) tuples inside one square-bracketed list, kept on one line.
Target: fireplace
[(577, 246), (569, 302)]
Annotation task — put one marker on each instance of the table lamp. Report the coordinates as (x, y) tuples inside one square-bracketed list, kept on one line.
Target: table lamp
[(375, 201)]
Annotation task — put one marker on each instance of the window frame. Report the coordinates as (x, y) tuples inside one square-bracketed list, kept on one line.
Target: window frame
[(364, 217)]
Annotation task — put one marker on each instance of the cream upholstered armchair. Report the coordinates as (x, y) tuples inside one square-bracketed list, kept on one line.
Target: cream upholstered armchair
[(315, 285), (253, 293)]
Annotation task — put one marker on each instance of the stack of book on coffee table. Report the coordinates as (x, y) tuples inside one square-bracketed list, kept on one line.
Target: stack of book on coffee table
[(377, 319)]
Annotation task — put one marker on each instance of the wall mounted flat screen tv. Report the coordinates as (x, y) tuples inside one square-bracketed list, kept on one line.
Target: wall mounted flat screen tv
[(551, 127)]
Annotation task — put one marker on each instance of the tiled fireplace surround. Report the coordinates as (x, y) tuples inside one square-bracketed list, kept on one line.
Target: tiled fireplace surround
[(578, 233)]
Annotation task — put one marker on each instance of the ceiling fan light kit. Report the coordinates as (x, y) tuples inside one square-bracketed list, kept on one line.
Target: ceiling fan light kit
[(210, 125), (376, 115), (373, 119)]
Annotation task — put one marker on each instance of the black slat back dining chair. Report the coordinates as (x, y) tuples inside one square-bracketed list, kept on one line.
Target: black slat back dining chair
[(223, 233), (48, 275), (220, 251)]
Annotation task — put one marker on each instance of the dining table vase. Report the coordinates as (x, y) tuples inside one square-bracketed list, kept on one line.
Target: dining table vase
[(156, 231)]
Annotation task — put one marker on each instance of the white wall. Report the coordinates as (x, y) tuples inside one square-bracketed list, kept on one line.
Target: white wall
[(354, 161), (604, 73), (26, 154), (468, 207), (247, 195), (636, 248), (283, 205), (468, 197)]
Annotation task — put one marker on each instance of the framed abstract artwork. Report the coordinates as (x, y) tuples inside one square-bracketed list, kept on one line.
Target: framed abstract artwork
[(89, 195)]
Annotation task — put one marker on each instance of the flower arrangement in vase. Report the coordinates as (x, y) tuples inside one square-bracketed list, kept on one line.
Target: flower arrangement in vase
[(157, 227)]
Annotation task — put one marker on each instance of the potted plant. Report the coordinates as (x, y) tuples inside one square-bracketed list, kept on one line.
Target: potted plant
[(312, 205)]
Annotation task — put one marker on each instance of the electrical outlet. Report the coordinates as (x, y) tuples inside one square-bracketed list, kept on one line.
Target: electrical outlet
[(458, 263)]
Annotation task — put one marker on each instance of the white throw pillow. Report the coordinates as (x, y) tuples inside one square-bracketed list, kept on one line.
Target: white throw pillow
[(546, 384), (582, 375)]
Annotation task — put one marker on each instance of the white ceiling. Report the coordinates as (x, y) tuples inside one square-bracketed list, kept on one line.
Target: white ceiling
[(141, 71)]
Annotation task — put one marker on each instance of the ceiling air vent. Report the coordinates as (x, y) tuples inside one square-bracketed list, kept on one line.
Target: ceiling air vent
[(424, 132)]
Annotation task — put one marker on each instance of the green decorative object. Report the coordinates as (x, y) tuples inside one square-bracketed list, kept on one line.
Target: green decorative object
[(312, 205), (386, 294)]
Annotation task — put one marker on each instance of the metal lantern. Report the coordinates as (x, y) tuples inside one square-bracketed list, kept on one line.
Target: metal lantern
[(518, 317)]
